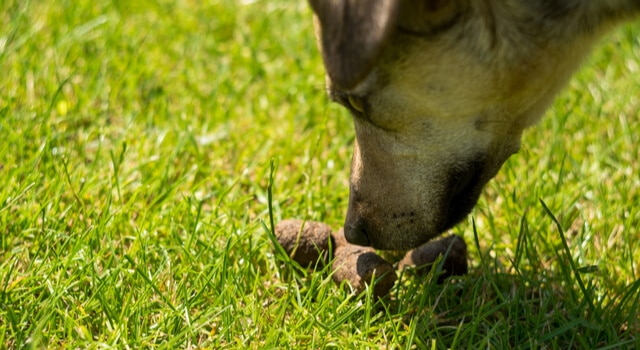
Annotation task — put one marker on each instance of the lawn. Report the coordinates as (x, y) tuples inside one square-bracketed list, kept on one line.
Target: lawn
[(145, 144)]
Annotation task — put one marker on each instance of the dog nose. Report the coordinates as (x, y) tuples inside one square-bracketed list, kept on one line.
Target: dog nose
[(355, 233)]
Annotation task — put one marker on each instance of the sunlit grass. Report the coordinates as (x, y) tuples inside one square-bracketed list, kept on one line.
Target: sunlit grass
[(136, 143)]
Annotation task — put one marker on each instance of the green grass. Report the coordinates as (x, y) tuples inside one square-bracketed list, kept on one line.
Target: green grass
[(136, 144)]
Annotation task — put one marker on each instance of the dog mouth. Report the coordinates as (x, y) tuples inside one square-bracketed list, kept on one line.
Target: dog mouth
[(466, 186)]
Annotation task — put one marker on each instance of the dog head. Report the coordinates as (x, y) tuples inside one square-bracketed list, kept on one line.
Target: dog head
[(440, 92)]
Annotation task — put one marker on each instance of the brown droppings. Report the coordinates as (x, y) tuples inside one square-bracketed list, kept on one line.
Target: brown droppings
[(306, 245), (454, 250), (359, 266)]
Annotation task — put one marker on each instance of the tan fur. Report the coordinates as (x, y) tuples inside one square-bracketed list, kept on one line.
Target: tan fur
[(441, 95)]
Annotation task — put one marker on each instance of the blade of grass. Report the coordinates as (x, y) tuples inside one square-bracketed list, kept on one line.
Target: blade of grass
[(576, 271)]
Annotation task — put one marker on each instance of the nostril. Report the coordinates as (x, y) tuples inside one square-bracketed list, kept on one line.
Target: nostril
[(356, 234)]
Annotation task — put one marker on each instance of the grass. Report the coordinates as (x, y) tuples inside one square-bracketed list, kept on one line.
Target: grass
[(136, 149)]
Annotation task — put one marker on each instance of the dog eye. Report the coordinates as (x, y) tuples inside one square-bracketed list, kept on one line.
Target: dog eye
[(356, 103)]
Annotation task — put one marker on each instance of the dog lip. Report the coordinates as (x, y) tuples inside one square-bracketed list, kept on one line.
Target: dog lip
[(464, 182), (462, 201)]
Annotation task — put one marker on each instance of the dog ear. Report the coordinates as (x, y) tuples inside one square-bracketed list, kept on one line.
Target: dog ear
[(351, 35)]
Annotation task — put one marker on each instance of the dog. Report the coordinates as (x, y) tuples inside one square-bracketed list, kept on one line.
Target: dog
[(440, 92)]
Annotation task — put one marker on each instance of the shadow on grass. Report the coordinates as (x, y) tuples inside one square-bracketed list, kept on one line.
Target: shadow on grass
[(541, 299)]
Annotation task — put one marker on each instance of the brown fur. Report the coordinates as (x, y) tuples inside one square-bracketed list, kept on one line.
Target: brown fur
[(441, 92)]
